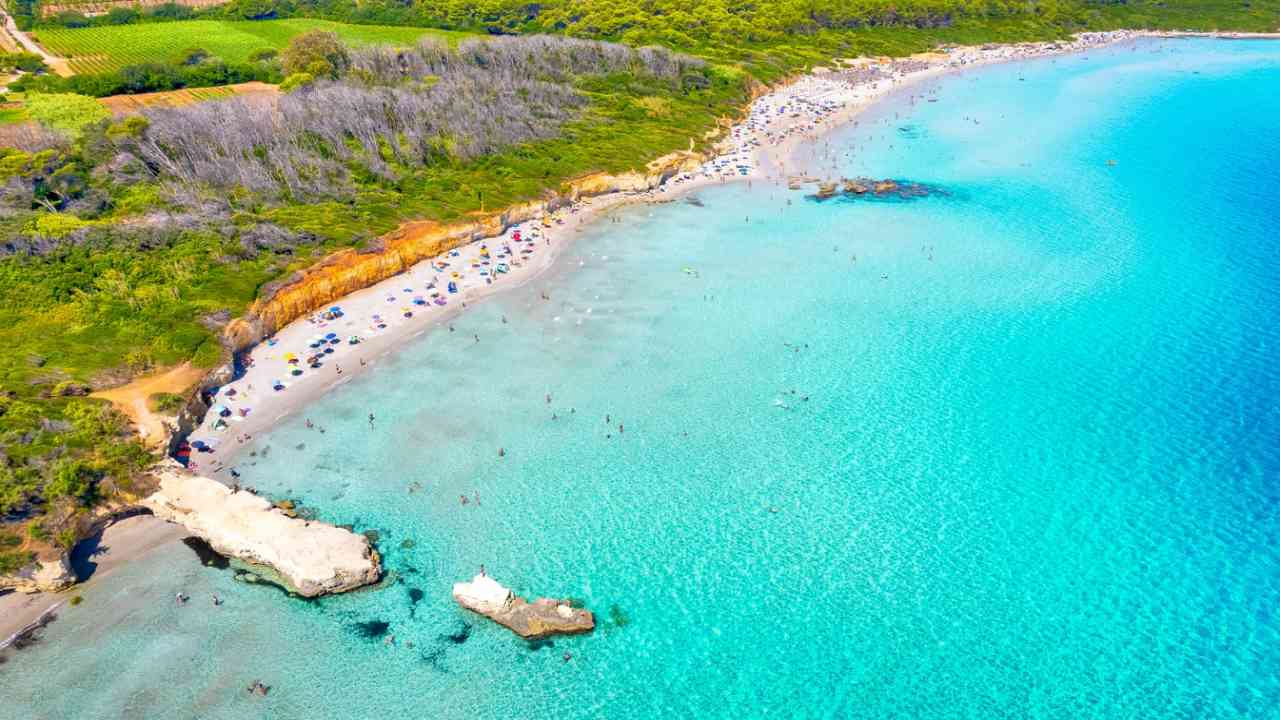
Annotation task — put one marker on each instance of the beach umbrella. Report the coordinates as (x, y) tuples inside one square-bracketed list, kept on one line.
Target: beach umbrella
[(331, 336)]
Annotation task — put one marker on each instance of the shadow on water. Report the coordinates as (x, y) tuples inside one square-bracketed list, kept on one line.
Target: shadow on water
[(459, 636), (208, 556), (371, 629)]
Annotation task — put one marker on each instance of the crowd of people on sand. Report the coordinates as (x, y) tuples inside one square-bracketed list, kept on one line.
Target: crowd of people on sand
[(411, 298), (795, 111)]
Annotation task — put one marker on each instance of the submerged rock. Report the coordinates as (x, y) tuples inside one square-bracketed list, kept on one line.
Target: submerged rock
[(541, 618), (887, 188)]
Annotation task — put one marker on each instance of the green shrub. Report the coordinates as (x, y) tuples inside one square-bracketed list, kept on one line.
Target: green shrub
[(166, 403), (318, 52), (295, 81), (65, 112)]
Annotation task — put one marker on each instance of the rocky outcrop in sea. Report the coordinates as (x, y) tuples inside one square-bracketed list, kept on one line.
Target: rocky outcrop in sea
[(535, 620), (311, 558)]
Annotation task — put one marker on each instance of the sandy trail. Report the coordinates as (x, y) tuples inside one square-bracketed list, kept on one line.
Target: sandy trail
[(131, 399)]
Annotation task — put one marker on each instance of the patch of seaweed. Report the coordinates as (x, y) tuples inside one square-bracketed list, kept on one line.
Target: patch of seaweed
[(371, 629), (870, 190), (435, 658), (618, 617), (459, 637), (536, 645)]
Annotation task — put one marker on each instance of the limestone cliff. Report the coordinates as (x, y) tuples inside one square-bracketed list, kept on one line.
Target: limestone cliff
[(347, 271)]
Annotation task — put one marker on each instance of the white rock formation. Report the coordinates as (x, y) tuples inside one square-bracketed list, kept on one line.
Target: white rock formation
[(541, 618), (483, 595), (314, 558)]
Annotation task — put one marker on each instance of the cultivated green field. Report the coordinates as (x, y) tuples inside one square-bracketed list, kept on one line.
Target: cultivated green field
[(107, 48)]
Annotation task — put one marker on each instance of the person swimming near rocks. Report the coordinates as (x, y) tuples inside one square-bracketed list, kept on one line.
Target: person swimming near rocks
[(259, 689), (182, 598), (216, 600)]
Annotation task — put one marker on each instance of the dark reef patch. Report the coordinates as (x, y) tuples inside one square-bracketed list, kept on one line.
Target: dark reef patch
[(371, 629), (869, 189), (459, 637), (435, 658), (618, 617)]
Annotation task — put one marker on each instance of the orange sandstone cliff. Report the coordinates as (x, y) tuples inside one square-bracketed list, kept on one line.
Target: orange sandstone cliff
[(347, 271)]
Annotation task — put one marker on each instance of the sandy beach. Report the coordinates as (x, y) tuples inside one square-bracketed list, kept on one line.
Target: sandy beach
[(311, 355), (120, 543)]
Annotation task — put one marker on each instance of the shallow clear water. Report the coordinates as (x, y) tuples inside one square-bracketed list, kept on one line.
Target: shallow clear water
[(1035, 474)]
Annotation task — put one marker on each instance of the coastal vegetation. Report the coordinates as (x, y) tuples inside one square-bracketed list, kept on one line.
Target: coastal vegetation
[(127, 242), (108, 48)]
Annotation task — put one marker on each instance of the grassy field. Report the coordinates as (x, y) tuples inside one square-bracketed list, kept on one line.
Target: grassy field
[(103, 49)]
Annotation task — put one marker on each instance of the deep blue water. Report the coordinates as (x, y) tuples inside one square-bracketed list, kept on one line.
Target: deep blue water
[(1036, 473)]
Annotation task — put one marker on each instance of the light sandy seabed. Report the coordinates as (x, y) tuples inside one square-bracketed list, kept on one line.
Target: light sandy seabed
[(777, 140)]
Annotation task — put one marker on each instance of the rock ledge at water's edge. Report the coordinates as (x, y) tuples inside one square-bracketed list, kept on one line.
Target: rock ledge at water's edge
[(313, 558)]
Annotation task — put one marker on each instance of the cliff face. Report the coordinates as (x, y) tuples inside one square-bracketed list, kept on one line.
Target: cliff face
[(347, 271), (50, 575)]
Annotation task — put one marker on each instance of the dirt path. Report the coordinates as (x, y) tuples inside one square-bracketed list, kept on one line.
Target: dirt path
[(57, 64), (131, 399)]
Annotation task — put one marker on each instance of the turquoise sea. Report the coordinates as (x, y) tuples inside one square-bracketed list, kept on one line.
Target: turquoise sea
[(1008, 451)]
